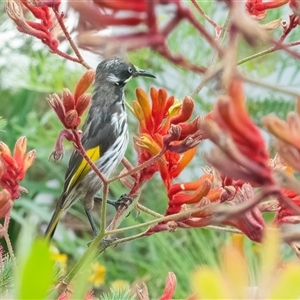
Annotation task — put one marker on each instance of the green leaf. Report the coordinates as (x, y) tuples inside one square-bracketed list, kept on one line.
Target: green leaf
[(118, 294), (6, 275), (36, 273), (2, 123)]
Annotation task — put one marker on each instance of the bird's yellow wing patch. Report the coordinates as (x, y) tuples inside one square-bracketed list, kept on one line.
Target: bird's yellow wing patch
[(84, 167)]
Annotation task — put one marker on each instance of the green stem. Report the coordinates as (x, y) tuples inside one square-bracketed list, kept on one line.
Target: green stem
[(220, 228), (158, 220), (140, 235), (259, 82), (103, 209), (148, 211), (265, 52), (129, 107), (147, 163), (122, 214), (127, 239), (7, 239), (88, 256), (92, 251)]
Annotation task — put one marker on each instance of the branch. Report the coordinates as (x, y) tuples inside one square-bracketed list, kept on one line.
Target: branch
[(265, 52), (211, 72), (71, 42)]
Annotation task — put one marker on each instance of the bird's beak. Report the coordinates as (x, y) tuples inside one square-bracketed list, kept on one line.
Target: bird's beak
[(140, 72)]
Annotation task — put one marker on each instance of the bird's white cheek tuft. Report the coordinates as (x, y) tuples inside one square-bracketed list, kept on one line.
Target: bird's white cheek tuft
[(125, 81), (113, 78)]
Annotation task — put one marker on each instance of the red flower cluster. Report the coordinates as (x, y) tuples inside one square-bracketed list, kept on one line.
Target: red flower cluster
[(97, 15), (44, 29), (12, 170), (163, 130), (241, 152), (168, 293), (251, 222), (70, 107), (284, 214), (67, 295), (258, 8)]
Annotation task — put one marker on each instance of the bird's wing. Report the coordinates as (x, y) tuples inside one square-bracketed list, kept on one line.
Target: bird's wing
[(91, 141)]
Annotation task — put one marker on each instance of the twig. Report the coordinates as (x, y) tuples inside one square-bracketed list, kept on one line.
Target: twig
[(226, 229), (265, 52), (147, 163), (148, 211), (259, 82), (205, 34), (173, 217), (122, 213), (70, 40), (205, 16), (7, 239), (291, 236), (127, 239), (284, 47), (103, 209), (129, 107), (224, 212), (211, 71), (143, 234), (67, 56)]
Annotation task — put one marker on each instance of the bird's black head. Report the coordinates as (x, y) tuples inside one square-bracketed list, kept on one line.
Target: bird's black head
[(118, 72)]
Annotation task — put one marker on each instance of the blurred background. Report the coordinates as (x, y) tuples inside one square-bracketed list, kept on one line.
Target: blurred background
[(29, 73)]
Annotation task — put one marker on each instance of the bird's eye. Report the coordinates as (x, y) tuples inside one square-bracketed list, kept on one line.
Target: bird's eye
[(130, 70)]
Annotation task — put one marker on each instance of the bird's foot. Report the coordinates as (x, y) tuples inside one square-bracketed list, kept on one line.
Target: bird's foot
[(123, 201)]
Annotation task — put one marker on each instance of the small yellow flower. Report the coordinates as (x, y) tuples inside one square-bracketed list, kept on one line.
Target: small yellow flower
[(59, 258), (119, 284), (98, 274)]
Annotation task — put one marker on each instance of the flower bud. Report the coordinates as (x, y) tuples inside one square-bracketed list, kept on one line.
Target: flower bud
[(29, 159), (84, 83), (185, 111), (82, 103), (190, 128), (272, 25), (68, 100), (55, 102), (14, 10), (20, 149), (71, 119)]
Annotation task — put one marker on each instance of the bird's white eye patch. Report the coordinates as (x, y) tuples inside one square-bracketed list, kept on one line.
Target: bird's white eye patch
[(113, 78)]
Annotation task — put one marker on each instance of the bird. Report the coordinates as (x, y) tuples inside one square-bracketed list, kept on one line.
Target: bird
[(104, 138)]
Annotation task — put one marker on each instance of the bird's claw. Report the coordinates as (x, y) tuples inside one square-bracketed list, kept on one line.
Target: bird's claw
[(123, 201)]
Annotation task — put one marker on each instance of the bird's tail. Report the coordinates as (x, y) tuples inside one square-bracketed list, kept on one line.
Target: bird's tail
[(54, 220)]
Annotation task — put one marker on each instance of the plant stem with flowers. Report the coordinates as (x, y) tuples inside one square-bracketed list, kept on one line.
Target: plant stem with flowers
[(241, 175)]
